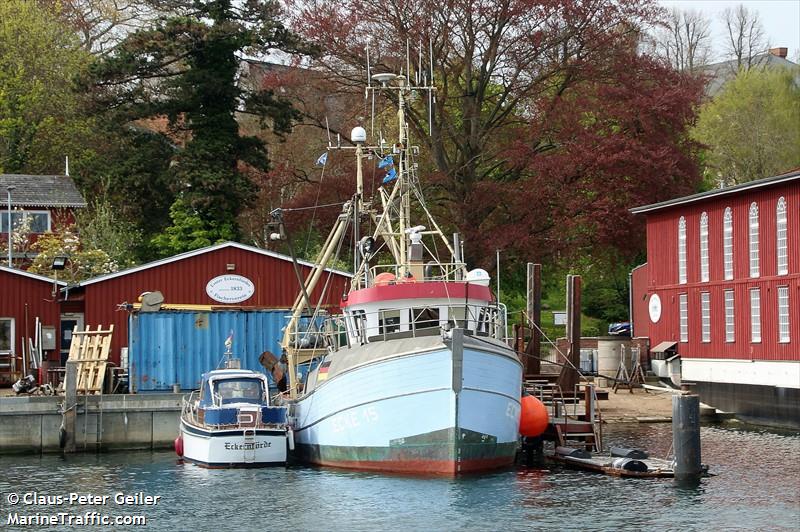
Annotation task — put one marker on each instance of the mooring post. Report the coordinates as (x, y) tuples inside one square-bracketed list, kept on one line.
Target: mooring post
[(686, 436), (533, 363), (70, 405)]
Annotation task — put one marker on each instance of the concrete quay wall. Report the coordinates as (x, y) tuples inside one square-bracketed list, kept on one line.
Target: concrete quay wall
[(104, 422)]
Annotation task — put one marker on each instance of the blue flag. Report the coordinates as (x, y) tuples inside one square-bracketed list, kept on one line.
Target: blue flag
[(386, 161), (323, 159), (391, 175)]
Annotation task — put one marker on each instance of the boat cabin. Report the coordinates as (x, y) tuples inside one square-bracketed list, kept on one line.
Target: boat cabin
[(237, 398), (408, 309)]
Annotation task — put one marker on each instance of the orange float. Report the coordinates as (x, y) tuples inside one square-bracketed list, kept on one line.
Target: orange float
[(384, 278), (533, 418)]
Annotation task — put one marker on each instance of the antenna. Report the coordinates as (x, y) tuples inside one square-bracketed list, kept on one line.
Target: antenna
[(408, 60), (328, 128), (66, 165)]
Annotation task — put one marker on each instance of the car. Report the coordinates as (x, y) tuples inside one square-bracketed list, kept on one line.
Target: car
[(620, 329)]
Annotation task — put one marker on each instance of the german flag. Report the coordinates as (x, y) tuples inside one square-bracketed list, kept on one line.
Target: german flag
[(322, 374)]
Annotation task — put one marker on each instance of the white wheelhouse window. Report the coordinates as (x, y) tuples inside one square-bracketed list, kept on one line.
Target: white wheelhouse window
[(682, 250), (783, 314), (755, 315), (753, 240), (730, 331), (705, 317), (683, 300), (704, 275), (727, 242), (780, 230)]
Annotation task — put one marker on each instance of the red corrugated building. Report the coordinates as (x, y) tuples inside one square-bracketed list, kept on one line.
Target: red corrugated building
[(229, 271), (721, 289), (23, 298)]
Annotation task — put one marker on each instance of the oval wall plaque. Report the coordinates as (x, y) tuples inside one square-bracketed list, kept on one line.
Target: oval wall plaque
[(230, 288), (654, 307)]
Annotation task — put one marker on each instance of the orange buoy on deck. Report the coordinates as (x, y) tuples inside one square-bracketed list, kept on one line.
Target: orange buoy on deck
[(384, 278), (533, 419)]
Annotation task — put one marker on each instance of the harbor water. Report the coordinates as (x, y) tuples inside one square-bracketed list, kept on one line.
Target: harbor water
[(756, 487)]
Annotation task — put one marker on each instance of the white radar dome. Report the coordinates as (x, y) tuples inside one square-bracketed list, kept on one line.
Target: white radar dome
[(478, 276), (359, 134)]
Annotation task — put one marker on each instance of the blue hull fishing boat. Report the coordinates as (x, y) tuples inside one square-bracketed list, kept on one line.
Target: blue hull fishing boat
[(414, 376)]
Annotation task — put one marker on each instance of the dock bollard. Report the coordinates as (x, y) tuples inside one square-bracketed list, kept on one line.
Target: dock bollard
[(686, 436)]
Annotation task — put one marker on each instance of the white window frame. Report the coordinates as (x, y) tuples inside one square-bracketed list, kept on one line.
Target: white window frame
[(783, 315), (682, 277), (704, 273), (730, 324), (705, 317), (683, 309), (11, 337), (25, 213), (752, 240), (727, 242), (755, 315), (781, 232)]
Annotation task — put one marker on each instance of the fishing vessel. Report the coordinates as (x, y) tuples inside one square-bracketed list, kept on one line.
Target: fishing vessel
[(414, 375), (231, 423)]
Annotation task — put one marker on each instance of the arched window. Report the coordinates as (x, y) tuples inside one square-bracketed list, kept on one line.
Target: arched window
[(727, 243), (754, 272), (780, 226), (704, 247), (682, 250)]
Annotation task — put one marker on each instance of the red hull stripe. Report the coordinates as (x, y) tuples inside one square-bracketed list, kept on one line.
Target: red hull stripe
[(445, 290), (424, 467)]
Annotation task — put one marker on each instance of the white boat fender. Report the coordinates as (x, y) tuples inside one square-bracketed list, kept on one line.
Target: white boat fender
[(290, 438), (629, 464)]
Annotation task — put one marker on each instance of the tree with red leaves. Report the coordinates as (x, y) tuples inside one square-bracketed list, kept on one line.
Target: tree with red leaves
[(549, 123)]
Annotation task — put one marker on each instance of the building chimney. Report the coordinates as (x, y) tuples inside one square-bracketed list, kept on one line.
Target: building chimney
[(779, 52)]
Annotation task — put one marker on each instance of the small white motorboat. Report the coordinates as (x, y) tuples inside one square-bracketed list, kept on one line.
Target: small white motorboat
[(230, 422)]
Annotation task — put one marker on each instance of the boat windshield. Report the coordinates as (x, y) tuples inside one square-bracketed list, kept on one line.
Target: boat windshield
[(242, 390)]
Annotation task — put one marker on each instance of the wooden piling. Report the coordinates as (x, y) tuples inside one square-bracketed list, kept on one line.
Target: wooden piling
[(569, 372), (533, 363), (70, 405)]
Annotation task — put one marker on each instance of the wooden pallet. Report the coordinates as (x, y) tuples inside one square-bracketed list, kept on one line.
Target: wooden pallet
[(90, 349)]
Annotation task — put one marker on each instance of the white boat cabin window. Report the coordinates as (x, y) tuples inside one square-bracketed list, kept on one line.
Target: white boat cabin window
[(389, 321), (6, 335), (425, 318), (359, 326), (239, 390)]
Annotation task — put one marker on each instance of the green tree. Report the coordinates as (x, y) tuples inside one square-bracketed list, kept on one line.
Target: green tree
[(40, 119), (752, 128), (184, 67), (101, 227)]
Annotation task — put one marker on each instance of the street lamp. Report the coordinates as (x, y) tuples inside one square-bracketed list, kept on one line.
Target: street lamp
[(9, 188)]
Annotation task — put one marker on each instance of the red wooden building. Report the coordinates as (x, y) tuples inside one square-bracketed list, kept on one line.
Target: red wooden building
[(23, 298), (224, 276), (721, 289), (41, 203)]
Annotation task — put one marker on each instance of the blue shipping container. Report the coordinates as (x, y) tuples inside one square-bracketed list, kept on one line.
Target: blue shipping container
[(169, 347)]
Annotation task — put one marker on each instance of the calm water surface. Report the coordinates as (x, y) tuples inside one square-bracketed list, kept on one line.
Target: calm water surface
[(757, 487)]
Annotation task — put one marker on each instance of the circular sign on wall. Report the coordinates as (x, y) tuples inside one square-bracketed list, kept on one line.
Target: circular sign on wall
[(654, 307), (230, 288)]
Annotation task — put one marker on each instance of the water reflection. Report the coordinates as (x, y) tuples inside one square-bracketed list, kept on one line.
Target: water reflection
[(756, 487)]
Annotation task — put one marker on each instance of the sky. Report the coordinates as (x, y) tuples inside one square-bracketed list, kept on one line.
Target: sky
[(781, 19)]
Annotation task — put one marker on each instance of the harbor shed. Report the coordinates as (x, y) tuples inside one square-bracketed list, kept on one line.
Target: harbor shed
[(223, 277), (24, 297), (722, 288)]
